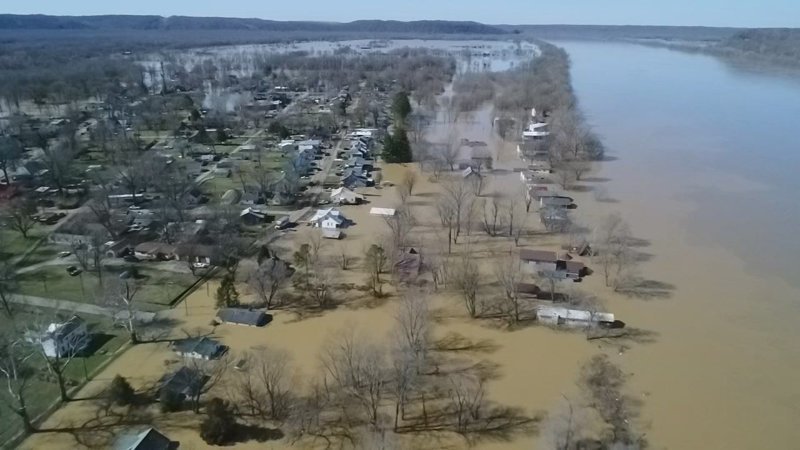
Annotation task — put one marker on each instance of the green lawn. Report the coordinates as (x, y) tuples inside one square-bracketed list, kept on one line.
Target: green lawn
[(157, 287), (43, 389), (13, 244)]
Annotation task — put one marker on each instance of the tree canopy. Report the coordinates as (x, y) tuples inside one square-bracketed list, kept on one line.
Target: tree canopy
[(397, 148)]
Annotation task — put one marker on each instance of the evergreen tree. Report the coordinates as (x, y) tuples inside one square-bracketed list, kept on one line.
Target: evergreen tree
[(219, 427), (227, 295), (396, 148), (121, 391), (401, 108)]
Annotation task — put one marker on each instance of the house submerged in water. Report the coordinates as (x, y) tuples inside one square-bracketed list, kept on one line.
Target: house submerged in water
[(555, 315)]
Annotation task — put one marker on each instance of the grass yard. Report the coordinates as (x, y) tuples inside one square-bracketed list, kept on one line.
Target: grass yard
[(13, 244), (43, 388), (157, 287)]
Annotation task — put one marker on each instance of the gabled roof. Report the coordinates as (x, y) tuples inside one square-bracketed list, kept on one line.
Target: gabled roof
[(243, 316), (538, 256), (61, 330), (203, 346), (183, 380), (149, 439), (323, 214)]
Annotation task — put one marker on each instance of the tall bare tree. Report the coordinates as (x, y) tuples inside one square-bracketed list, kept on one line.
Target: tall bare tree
[(413, 326), (8, 284), (375, 263), (121, 295), (358, 368), (15, 368), (459, 194), (613, 241), (19, 217), (466, 394), (57, 362), (509, 276), (268, 279), (266, 384), (466, 279)]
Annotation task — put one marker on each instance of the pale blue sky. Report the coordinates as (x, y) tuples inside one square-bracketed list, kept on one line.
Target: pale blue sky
[(739, 13)]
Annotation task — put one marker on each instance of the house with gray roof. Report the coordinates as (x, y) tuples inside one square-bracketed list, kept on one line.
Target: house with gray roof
[(199, 348), (241, 316), (148, 439)]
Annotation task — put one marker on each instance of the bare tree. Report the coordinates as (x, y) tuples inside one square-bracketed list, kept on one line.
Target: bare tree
[(321, 285), (358, 368), (58, 361), (451, 151), (208, 374), (121, 296), (466, 394), (270, 371), (613, 241), (509, 275), (466, 279), (579, 169), (8, 284), (413, 326), (458, 193), (405, 375), (20, 217), (564, 176), (447, 216), (268, 279), (344, 256), (375, 263), (603, 382), (15, 368), (491, 215), (400, 225)]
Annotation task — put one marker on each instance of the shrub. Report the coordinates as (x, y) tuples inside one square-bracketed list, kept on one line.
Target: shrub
[(121, 391)]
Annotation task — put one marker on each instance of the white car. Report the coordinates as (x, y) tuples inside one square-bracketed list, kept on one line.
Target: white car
[(201, 265)]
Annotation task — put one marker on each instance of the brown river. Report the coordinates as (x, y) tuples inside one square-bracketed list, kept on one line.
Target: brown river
[(704, 162)]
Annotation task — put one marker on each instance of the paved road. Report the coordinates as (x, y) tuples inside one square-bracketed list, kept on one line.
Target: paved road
[(72, 307)]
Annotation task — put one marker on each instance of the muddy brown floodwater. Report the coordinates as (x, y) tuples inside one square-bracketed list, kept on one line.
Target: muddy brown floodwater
[(706, 182), (706, 170)]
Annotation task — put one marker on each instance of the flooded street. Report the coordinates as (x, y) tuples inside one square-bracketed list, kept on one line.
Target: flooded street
[(704, 163)]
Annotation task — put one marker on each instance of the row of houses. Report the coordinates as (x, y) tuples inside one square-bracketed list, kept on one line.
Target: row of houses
[(358, 161)]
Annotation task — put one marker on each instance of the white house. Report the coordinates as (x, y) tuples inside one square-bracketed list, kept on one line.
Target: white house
[(344, 196), (328, 218), (65, 339)]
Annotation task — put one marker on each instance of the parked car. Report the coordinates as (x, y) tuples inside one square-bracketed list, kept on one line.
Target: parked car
[(64, 254)]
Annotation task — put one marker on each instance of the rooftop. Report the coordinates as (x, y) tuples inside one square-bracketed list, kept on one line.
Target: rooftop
[(243, 316), (538, 255)]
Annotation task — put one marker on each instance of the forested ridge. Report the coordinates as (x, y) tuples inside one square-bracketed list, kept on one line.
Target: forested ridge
[(126, 22)]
